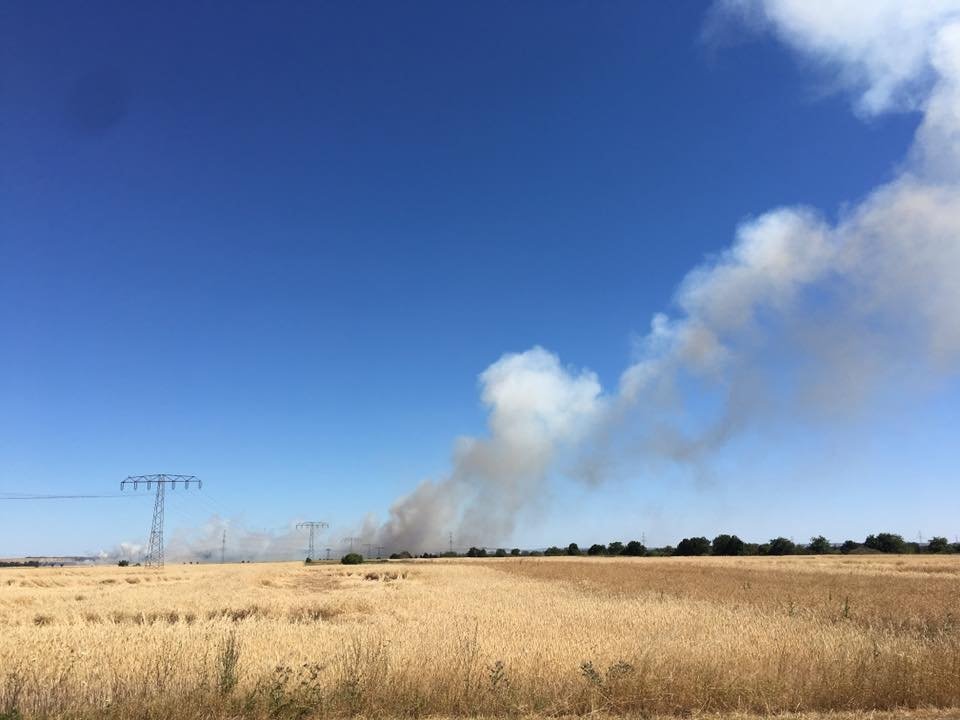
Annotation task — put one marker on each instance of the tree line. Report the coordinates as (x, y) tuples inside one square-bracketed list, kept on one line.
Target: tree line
[(722, 545)]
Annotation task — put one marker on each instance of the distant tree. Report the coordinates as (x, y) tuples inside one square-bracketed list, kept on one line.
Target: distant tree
[(124, 563), (352, 559), (665, 551), (885, 542), (634, 548), (573, 549), (938, 545), (751, 549), (515, 552), (615, 548), (403, 555), (727, 545), (477, 552), (449, 554), (554, 550), (781, 546), (597, 549), (819, 545), (535, 553), (693, 546), (500, 552), (849, 546)]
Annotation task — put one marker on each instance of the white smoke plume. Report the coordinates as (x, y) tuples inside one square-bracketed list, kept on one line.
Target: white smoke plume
[(537, 409), (131, 552), (798, 313)]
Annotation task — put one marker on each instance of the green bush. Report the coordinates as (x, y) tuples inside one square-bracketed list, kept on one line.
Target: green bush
[(938, 545), (885, 542), (727, 545), (693, 546), (352, 559), (781, 546), (819, 545)]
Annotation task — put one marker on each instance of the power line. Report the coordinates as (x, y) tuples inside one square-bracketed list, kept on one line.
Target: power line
[(60, 497)]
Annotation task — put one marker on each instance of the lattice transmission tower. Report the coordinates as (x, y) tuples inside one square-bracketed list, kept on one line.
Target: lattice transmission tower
[(312, 526), (154, 556)]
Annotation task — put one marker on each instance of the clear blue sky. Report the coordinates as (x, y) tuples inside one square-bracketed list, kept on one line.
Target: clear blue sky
[(273, 245)]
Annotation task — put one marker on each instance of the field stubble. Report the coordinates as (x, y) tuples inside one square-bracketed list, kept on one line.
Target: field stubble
[(467, 638)]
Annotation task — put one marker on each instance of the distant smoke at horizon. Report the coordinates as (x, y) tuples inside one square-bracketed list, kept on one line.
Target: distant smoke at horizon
[(204, 543)]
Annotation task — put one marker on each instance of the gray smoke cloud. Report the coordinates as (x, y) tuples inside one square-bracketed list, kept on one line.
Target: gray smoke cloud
[(798, 314)]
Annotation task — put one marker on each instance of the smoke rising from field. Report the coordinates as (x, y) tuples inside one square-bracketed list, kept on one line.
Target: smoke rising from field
[(799, 313), (536, 409)]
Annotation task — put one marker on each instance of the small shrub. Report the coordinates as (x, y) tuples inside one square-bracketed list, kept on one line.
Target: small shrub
[(227, 661), (352, 559)]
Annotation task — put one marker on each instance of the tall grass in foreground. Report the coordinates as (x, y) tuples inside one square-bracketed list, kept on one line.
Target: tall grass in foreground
[(463, 639)]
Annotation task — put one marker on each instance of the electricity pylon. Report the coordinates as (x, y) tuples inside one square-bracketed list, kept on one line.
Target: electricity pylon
[(351, 540), (155, 545), (312, 525)]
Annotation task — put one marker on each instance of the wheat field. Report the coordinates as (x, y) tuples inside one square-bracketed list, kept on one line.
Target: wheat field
[(519, 637)]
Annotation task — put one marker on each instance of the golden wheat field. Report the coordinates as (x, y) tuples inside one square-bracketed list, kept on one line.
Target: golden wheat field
[(518, 637)]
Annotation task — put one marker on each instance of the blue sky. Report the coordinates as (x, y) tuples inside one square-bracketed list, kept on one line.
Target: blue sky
[(274, 246)]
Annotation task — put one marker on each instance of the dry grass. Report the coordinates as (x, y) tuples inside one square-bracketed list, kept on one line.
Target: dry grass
[(508, 637)]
